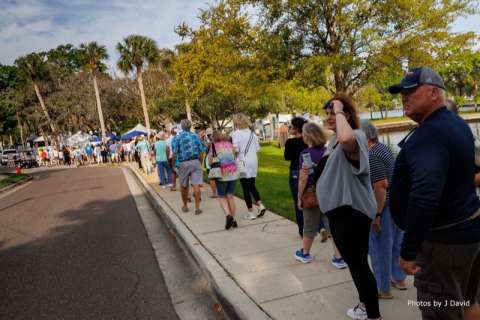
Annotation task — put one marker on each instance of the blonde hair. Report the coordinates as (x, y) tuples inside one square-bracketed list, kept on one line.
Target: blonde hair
[(241, 121), (313, 134)]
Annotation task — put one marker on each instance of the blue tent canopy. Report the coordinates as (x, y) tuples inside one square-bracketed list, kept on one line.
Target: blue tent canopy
[(111, 136), (132, 135)]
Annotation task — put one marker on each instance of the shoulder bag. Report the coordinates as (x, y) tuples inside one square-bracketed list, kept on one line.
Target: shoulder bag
[(241, 166), (215, 170)]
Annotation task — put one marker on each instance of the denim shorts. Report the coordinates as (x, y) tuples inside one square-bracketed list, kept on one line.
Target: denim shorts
[(225, 188)]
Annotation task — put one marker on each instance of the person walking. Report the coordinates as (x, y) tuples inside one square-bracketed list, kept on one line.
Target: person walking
[(432, 198), (222, 151), (246, 146), (143, 148), (385, 236), (162, 151), (345, 195), (187, 149)]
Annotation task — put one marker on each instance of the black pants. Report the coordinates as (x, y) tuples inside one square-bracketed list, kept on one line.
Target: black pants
[(248, 187), (350, 230)]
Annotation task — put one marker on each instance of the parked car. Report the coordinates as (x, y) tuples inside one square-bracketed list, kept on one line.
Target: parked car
[(9, 156)]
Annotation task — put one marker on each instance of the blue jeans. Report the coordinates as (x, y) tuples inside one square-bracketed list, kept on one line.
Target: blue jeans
[(293, 182), (384, 250), (163, 166)]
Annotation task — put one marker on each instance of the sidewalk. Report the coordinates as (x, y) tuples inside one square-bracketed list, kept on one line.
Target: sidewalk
[(258, 256)]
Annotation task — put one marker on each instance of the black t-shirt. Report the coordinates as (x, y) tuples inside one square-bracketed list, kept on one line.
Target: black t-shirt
[(293, 147)]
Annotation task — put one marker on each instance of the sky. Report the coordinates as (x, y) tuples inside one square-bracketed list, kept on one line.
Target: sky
[(39, 25)]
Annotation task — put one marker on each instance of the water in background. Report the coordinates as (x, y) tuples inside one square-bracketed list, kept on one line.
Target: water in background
[(392, 139)]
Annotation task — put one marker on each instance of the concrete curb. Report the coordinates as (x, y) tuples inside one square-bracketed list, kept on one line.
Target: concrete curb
[(235, 302), (16, 184)]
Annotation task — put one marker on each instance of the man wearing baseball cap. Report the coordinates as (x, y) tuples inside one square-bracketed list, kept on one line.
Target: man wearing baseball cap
[(432, 197)]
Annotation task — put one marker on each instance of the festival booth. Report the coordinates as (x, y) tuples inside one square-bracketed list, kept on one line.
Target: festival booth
[(136, 131), (77, 139), (109, 136)]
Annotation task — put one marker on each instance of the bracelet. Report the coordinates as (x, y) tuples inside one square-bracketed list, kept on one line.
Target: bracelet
[(378, 215), (341, 112)]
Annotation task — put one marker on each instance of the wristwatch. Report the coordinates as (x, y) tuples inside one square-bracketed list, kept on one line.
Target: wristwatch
[(378, 215)]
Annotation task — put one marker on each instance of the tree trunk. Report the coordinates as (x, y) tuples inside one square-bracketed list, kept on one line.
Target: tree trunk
[(144, 102), (20, 127), (99, 108), (44, 108), (189, 110)]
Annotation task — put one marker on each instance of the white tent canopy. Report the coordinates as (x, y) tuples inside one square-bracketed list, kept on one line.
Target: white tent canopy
[(141, 128), (77, 139), (39, 139)]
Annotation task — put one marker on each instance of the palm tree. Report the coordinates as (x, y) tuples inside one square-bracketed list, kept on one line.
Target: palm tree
[(34, 68), (136, 52), (92, 56)]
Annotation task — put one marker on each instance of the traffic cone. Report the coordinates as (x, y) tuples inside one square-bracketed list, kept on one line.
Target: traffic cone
[(18, 169)]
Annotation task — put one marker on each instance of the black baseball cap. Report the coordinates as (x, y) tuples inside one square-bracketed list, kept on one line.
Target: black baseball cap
[(417, 77)]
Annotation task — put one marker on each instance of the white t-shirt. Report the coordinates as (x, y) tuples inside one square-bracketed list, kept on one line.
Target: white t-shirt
[(240, 140)]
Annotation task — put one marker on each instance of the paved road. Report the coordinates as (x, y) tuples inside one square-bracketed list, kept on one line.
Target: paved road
[(72, 246)]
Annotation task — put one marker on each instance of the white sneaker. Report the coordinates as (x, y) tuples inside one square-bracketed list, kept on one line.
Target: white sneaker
[(261, 210), (358, 312), (250, 216)]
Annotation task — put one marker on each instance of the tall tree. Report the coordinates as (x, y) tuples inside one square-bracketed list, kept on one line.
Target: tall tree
[(220, 71), (33, 66), (136, 53), (92, 56), (358, 38)]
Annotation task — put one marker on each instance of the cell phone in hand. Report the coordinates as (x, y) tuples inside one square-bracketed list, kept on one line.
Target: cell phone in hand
[(307, 159)]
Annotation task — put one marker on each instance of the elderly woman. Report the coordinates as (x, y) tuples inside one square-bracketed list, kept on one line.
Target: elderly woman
[(385, 236), (345, 195), (246, 146), (222, 150)]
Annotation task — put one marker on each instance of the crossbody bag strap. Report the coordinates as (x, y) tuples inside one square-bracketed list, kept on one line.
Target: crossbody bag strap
[(248, 145), (214, 151)]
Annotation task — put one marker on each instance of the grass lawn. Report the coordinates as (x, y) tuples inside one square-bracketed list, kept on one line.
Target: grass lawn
[(272, 181), (11, 179)]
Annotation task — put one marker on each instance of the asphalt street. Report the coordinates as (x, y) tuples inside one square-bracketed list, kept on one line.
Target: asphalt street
[(72, 246)]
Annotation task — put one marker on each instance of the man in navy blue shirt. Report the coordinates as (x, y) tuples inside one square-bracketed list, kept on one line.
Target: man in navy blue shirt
[(432, 197)]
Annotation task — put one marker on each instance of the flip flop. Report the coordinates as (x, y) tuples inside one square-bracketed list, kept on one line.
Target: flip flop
[(398, 286)]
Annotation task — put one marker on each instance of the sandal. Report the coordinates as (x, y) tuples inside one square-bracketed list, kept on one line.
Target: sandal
[(185, 209), (399, 285), (198, 211), (385, 296)]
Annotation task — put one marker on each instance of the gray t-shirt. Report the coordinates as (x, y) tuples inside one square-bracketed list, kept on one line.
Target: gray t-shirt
[(342, 184)]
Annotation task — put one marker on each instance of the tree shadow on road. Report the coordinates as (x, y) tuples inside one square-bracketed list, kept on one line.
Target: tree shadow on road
[(90, 261)]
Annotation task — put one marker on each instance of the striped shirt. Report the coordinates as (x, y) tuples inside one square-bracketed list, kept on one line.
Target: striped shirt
[(381, 162)]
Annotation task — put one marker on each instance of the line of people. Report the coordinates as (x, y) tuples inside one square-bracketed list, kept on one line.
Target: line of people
[(417, 215)]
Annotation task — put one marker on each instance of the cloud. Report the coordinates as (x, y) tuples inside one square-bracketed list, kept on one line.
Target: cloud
[(39, 25)]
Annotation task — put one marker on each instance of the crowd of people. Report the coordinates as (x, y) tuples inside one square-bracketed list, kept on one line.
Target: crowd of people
[(416, 215)]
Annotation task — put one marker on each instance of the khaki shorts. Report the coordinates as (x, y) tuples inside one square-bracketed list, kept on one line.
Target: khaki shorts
[(449, 280), (190, 171)]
